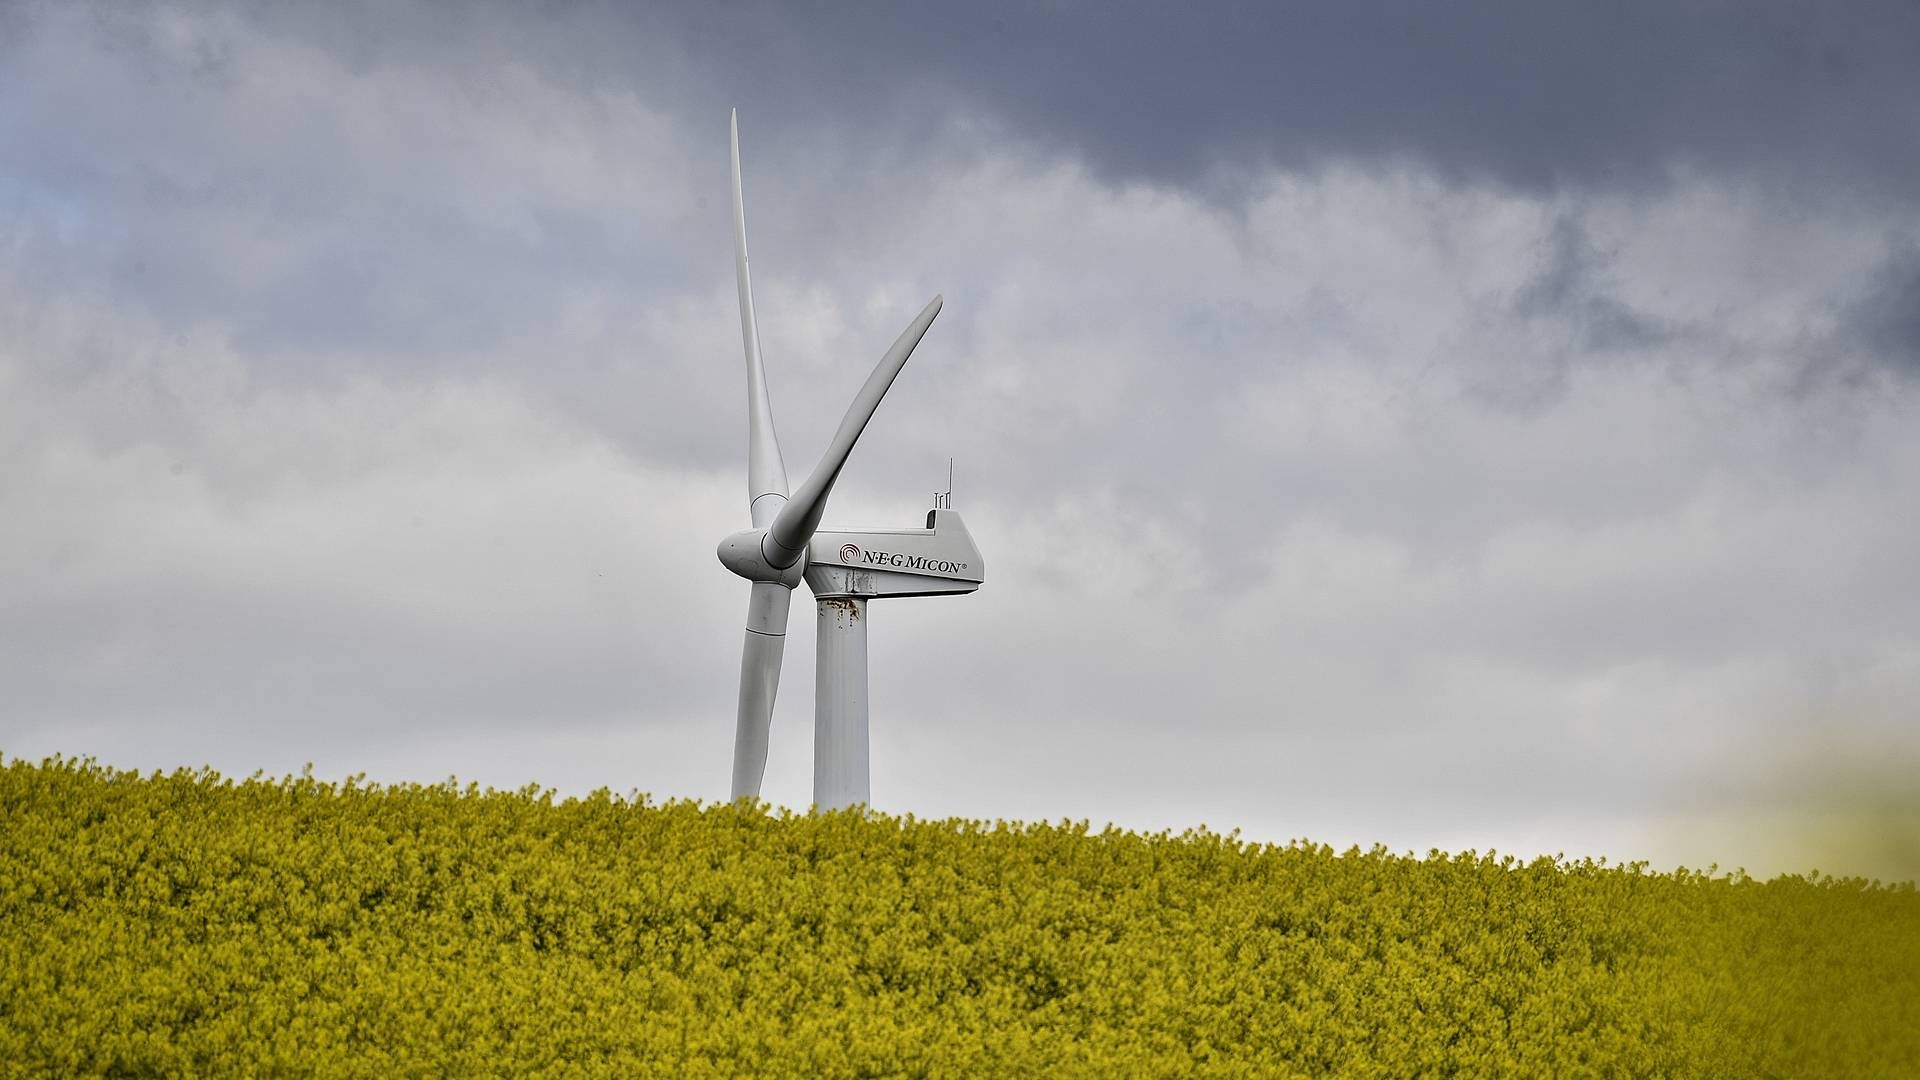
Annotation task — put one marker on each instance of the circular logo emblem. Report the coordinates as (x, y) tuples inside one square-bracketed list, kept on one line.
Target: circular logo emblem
[(849, 553)]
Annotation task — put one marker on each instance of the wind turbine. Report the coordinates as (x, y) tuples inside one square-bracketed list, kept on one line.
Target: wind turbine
[(844, 569)]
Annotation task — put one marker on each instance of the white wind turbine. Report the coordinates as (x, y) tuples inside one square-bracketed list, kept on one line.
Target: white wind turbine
[(844, 569)]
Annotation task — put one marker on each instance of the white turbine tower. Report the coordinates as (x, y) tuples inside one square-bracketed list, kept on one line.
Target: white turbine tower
[(844, 569)]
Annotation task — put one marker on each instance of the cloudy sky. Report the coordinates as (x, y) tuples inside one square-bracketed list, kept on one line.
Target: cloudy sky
[(1492, 427)]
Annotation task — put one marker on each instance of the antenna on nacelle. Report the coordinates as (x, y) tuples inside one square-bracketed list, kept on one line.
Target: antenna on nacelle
[(943, 500)]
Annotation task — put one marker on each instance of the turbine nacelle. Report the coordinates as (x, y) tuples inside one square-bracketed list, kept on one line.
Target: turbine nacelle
[(939, 560)]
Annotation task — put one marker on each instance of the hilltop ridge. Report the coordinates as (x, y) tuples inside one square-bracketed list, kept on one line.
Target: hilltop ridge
[(185, 923)]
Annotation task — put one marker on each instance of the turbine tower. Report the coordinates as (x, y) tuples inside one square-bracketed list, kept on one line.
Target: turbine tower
[(844, 569)]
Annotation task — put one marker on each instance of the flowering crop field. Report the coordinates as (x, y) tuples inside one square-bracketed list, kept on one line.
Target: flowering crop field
[(190, 925)]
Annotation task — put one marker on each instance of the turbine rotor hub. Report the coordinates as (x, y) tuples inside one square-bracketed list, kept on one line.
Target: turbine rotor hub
[(745, 553)]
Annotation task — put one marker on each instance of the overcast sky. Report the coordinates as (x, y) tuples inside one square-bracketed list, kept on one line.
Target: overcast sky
[(1417, 424)]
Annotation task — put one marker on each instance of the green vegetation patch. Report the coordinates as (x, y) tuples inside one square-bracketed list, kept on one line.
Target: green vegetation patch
[(189, 925)]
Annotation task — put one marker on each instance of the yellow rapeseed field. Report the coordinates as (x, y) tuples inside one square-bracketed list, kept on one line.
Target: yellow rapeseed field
[(189, 925)]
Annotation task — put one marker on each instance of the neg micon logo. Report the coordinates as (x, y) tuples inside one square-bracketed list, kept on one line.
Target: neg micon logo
[(849, 553)]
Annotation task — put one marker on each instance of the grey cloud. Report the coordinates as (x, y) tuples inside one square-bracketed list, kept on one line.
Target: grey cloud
[(352, 211), (1567, 286), (1564, 315), (1886, 320), (401, 189)]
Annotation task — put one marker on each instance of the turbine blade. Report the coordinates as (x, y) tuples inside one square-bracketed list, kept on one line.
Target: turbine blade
[(766, 473), (797, 520), (759, 682)]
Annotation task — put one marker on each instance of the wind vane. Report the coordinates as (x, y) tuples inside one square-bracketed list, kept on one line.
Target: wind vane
[(844, 569)]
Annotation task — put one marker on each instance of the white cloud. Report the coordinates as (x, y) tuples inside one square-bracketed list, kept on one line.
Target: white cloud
[(266, 565)]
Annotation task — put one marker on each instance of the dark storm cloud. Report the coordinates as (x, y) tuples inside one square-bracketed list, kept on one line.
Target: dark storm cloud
[(1533, 95)]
